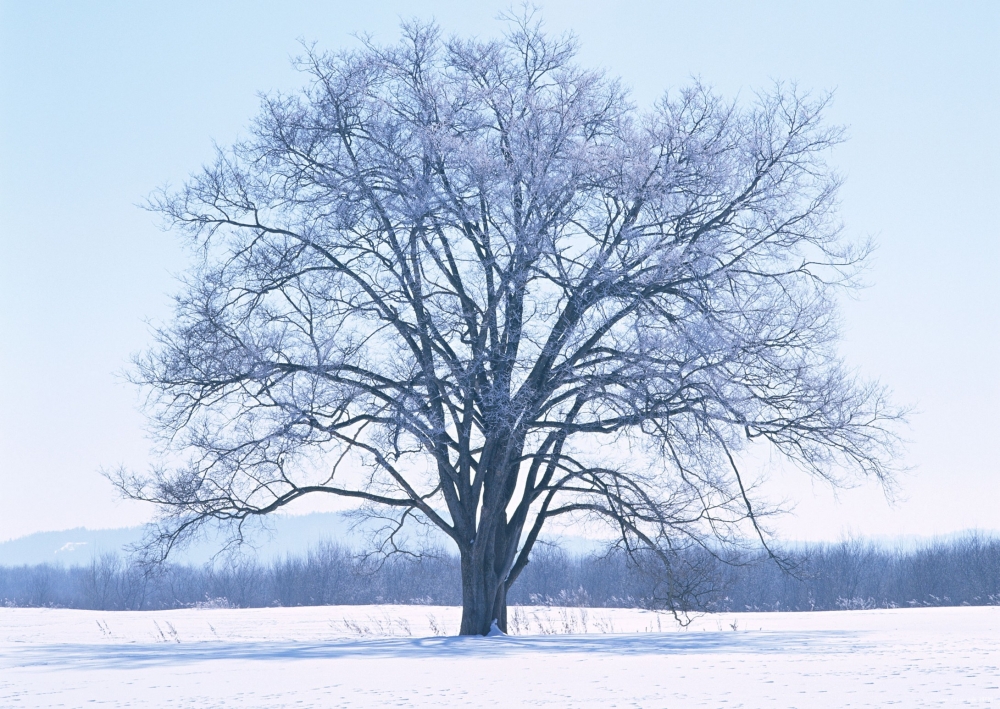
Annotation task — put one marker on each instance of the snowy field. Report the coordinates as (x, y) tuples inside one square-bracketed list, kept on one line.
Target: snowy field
[(401, 656)]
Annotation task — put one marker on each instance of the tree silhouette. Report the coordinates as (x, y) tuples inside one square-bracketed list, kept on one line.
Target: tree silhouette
[(470, 284)]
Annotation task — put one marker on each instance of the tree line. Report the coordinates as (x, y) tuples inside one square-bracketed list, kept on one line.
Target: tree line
[(852, 574)]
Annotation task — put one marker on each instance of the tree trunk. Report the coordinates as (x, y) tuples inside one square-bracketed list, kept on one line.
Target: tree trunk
[(487, 563), (484, 585), (484, 598), (500, 607)]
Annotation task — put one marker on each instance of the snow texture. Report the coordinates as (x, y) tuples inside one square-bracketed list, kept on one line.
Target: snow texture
[(401, 656)]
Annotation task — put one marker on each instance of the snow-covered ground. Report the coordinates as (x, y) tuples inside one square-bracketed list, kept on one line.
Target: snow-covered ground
[(401, 656)]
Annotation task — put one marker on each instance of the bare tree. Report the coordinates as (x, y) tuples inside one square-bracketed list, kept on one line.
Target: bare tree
[(470, 284)]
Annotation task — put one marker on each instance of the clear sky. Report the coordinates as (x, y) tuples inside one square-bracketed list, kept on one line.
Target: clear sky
[(102, 102)]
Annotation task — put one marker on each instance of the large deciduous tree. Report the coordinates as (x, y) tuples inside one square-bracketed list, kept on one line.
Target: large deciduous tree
[(470, 283)]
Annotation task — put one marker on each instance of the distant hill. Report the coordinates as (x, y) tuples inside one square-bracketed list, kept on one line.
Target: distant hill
[(76, 547), (289, 535), (294, 535), (68, 547)]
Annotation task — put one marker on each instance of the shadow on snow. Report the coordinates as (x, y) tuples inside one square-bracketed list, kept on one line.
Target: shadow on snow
[(139, 655)]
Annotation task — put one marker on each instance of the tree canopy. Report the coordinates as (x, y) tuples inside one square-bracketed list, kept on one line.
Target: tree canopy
[(472, 284)]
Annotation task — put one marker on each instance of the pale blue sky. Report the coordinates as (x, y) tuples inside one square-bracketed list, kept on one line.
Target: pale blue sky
[(102, 102)]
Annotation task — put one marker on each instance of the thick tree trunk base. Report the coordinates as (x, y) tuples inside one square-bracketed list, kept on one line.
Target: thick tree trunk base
[(477, 619), (484, 600)]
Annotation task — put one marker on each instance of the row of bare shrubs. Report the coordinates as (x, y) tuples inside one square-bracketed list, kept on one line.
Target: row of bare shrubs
[(849, 575)]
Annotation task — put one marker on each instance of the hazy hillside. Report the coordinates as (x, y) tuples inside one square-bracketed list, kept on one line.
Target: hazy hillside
[(284, 535), (74, 547)]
